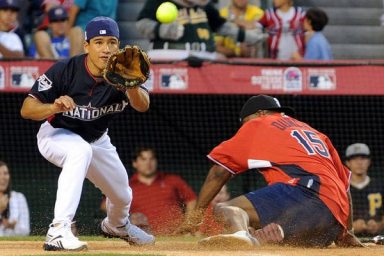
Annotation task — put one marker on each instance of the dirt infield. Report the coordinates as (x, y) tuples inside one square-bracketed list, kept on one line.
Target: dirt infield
[(182, 248)]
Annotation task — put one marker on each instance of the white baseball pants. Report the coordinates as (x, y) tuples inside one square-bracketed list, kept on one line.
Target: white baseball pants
[(98, 161)]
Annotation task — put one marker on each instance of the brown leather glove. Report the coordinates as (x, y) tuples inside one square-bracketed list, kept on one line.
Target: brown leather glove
[(127, 68)]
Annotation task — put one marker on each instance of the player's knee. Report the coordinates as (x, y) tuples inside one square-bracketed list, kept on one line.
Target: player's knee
[(123, 198), (222, 209)]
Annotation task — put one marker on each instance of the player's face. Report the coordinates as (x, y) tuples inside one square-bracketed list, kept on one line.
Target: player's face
[(99, 49), (359, 165), (146, 164), (4, 178)]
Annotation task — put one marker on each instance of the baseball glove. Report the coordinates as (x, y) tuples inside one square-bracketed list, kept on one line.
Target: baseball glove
[(127, 68)]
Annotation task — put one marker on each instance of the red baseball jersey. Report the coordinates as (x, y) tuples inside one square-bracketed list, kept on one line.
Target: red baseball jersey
[(161, 201), (286, 150)]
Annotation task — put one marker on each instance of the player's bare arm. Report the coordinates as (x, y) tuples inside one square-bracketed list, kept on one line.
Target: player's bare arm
[(36, 110), (138, 98), (215, 180)]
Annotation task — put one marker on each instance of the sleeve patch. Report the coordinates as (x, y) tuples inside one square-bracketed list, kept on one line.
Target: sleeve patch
[(44, 83)]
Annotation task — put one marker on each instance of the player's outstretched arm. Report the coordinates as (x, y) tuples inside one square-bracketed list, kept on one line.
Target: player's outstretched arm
[(36, 110), (215, 180), (138, 98)]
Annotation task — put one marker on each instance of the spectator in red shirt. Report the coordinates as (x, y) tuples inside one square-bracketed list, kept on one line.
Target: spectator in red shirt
[(163, 198)]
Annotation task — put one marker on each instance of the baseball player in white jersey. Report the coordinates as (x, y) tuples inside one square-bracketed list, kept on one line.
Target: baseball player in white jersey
[(77, 105)]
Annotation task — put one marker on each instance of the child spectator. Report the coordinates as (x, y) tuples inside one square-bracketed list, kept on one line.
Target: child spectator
[(284, 24), (11, 45), (14, 213), (317, 46), (52, 44)]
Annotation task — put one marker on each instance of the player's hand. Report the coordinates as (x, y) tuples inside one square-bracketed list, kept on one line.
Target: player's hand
[(348, 239), (271, 233), (3, 202), (191, 223), (63, 104)]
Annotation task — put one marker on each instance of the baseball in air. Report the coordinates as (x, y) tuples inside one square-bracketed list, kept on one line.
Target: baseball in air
[(167, 12)]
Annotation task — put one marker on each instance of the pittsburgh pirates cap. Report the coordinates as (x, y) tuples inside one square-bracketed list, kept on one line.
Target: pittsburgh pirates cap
[(101, 26), (357, 149), (263, 102)]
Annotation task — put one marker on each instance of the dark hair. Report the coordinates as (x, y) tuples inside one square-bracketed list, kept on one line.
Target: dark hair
[(317, 17), (7, 192), (139, 150)]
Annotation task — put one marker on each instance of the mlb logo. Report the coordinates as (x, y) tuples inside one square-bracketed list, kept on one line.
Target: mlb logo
[(102, 32)]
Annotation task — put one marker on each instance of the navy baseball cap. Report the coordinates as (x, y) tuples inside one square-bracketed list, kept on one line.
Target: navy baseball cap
[(101, 26), (263, 102), (57, 13), (10, 4)]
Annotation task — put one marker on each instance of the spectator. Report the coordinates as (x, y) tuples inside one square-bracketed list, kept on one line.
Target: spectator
[(306, 202), (46, 5), (210, 226), (162, 198), (14, 213), (284, 24), (74, 34), (52, 44), (317, 46), (11, 45), (82, 11), (191, 33), (244, 14), (367, 193)]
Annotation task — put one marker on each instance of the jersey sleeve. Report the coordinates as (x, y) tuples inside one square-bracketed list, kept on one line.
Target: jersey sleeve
[(343, 172), (233, 153), (184, 191), (47, 87)]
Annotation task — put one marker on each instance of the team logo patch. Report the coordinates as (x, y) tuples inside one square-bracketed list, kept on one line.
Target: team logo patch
[(102, 32), (44, 83)]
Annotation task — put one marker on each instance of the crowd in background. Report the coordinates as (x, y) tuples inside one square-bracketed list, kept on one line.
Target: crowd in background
[(53, 29)]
